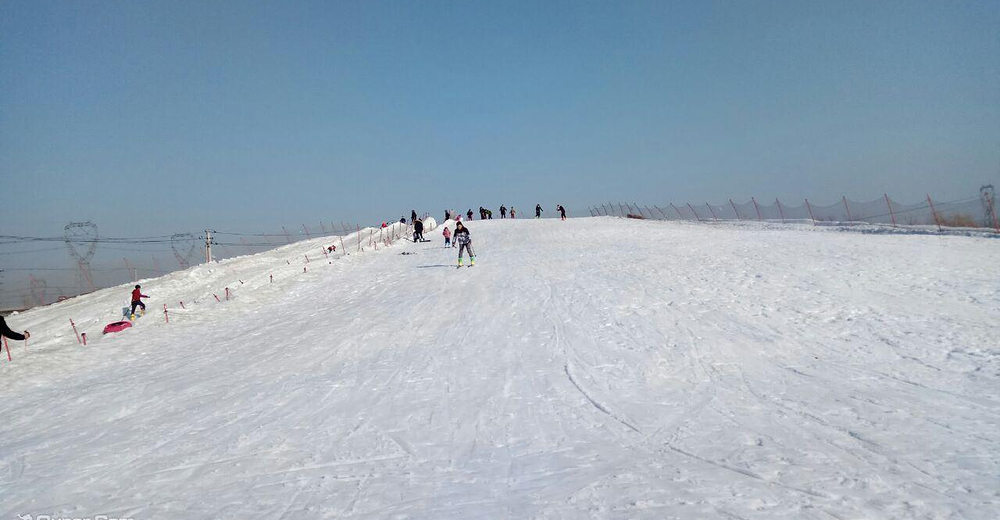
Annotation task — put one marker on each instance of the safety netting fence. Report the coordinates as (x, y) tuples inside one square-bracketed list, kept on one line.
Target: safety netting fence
[(978, 212)]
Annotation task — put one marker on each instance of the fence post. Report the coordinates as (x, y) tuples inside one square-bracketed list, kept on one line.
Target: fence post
[(287, 238), (780, 211), (359, 235), (849, 217), (891, 214), (712, 211), (216, 297), (661, 211), (621, 209), (934, 211), (227, 295), (182, 304), (731, 203), (677, 210), (74, 330), (693, 211), (84, 338), (756, 207), (165, 316), (811, 217), (651, 215)]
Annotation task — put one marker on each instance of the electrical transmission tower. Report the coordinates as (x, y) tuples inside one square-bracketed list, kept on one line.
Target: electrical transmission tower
[(82, 233)]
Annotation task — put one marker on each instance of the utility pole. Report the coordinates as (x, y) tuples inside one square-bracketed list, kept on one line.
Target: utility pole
[(208, 246)]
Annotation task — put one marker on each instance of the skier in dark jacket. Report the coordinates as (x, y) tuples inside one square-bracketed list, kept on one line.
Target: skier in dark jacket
[(469, 214), (137, 300), (413, 215), (562, 212), (503, 212), (464, 242), (418, 231), (7, 333), (538, 211)]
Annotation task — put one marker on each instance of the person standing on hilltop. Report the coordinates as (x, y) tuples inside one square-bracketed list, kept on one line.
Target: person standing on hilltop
[(7, 333), (513, 212), (562, 212), (503, 212), (464, 242), (469, 214), (538, 211), (413, 215)]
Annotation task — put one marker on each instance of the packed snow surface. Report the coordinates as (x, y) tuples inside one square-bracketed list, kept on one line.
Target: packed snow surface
[(593, 368)]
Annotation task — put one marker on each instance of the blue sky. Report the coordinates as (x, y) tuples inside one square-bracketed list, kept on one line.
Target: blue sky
[(162, 117)]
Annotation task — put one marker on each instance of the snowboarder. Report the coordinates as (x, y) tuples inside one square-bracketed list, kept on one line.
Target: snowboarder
[(562, 212), (464, 242), (418, 231), (137, 297), (7, 333), (538, 211), (503, 212), (447, 236)]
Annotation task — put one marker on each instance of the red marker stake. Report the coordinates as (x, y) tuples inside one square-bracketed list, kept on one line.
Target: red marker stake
[(217, 297), (165, 316), (84, 338), (182, 305), (74, 330), (8, 349)]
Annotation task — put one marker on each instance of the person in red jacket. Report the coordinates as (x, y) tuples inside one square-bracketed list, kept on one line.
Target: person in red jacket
[(137, 299)]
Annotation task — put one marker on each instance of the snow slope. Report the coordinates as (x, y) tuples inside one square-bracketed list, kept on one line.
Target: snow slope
[(593, 368)]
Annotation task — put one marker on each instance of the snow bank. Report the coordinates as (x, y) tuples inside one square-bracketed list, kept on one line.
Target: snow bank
[(429, 224)]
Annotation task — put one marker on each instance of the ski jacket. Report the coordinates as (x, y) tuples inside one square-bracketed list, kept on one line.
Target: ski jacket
[(6, 332), (446, 232), (418, 226), (462, 236), (136, 295)]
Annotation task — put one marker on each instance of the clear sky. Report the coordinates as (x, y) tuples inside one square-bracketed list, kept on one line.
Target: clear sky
[(162, 117)]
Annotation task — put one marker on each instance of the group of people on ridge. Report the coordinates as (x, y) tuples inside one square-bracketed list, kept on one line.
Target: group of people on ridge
[(487, 214)]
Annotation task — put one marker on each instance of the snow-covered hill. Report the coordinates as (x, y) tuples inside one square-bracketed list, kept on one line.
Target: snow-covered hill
[(593, 368)]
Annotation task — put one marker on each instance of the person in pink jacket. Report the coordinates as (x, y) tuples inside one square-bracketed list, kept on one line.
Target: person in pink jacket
[(447, 236)]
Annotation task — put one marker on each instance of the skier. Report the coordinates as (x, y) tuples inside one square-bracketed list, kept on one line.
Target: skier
[(418, 231), (447, 236), (562, 212), (7, 333), (503, 212), (489, 214), (469, 214), (413, 215), (538, 211), (464, 242), (137, 297), (513, 212)]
